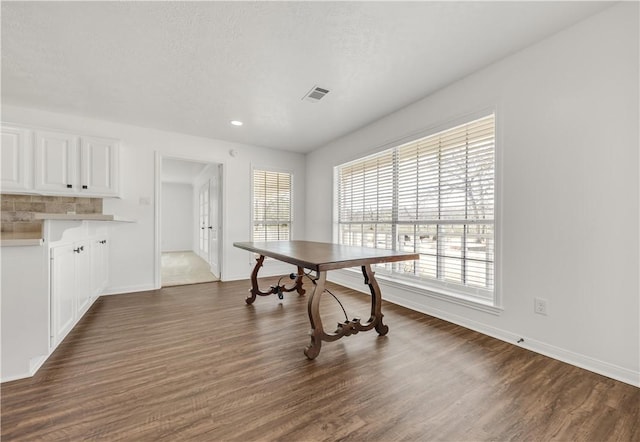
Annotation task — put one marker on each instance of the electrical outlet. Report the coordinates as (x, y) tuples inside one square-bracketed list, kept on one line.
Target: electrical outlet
[(540, 306)]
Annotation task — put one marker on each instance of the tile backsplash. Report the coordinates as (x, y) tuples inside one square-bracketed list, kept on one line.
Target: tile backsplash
[(17, 210)]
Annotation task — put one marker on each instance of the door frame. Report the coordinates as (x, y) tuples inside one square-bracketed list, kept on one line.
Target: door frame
[(217, 221), (222, 167)]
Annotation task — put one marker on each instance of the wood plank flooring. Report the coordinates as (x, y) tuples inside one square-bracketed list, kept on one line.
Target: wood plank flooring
[(197, 363)]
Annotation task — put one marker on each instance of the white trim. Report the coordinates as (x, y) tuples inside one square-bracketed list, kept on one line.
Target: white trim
[(586, 362), (459, 294), (582, 361), (497, 207), (353, 280), (239, 277), (25, 375), (129, 289), (36, 363), (157, 223)]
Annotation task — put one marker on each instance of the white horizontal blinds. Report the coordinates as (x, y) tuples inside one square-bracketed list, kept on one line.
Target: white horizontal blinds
[(365, 201), (271, 205), (449, 175), (446, 191), (433, 196)]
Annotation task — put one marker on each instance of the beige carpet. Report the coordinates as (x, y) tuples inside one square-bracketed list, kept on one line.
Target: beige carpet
[(181, 268)]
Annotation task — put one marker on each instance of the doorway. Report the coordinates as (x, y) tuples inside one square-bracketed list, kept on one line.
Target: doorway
[(189, 221)]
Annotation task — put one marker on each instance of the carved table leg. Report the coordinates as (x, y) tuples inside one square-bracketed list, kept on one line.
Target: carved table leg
[(298, 284), (275, 289), (313, 308), (376, 300), (347, 328), (255, 291)]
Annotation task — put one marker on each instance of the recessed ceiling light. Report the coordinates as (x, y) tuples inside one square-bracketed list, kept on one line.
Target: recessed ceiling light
[(237, 123)]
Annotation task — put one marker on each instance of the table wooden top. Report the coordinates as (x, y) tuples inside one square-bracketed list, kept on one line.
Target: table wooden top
[(320, 256)]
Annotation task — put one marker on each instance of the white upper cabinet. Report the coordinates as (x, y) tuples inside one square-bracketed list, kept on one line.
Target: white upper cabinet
[(55, 162), (99, 166), (16, 159), (62, 163)]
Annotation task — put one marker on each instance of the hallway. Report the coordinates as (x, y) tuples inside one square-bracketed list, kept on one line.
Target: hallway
[(181, 268)]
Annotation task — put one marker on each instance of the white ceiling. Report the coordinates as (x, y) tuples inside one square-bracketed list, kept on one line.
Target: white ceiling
[(192, 67)]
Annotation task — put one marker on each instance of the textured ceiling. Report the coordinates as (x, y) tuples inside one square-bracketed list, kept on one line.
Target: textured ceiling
[(192, 67)]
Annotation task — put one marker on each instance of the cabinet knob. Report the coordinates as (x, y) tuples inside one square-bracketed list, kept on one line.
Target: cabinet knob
[(69, 186)]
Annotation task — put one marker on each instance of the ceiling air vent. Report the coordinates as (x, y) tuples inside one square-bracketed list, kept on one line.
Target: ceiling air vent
[(315, 94)]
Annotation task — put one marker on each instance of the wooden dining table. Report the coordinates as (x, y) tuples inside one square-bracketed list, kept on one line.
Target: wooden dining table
[(318, 258)]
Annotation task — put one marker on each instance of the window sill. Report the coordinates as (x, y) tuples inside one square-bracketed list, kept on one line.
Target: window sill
[(439, 294)]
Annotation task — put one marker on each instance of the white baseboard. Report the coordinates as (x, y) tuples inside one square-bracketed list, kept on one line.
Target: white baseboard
[(36, 363), (34, 366), (601, 367), (228, 278), (16, 377), (128, 289)]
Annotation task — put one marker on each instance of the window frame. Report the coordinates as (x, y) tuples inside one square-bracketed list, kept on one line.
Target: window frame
[(487, 300)]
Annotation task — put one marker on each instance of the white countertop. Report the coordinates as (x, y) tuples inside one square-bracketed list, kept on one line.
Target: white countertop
[(81, 217), (21, 239)]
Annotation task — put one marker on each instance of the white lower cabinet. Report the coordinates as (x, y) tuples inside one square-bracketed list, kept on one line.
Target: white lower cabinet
[(78, 276), (100, 259), (47, 287), (63, 280), (84, 267)]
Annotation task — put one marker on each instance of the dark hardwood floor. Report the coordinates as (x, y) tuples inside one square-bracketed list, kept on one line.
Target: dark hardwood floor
[(197, 363)]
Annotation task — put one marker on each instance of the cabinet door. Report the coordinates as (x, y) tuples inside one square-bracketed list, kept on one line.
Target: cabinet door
[(84, 289), (15, 159), (99, 166), (55, 162), (100, 272), (63, 292)]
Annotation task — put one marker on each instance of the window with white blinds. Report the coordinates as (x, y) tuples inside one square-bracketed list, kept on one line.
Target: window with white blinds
[(271, 205), (433, 196)]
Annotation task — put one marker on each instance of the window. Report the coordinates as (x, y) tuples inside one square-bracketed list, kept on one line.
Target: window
[(271, 205), (433, 196)]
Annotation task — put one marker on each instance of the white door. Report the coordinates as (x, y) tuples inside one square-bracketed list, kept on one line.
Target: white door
[(214, 224), (55, 162), (203, 221)]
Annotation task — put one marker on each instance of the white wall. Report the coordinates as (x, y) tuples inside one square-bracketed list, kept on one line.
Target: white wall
[(132, 247), (567, 123), (24, 321), (177, 214)]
